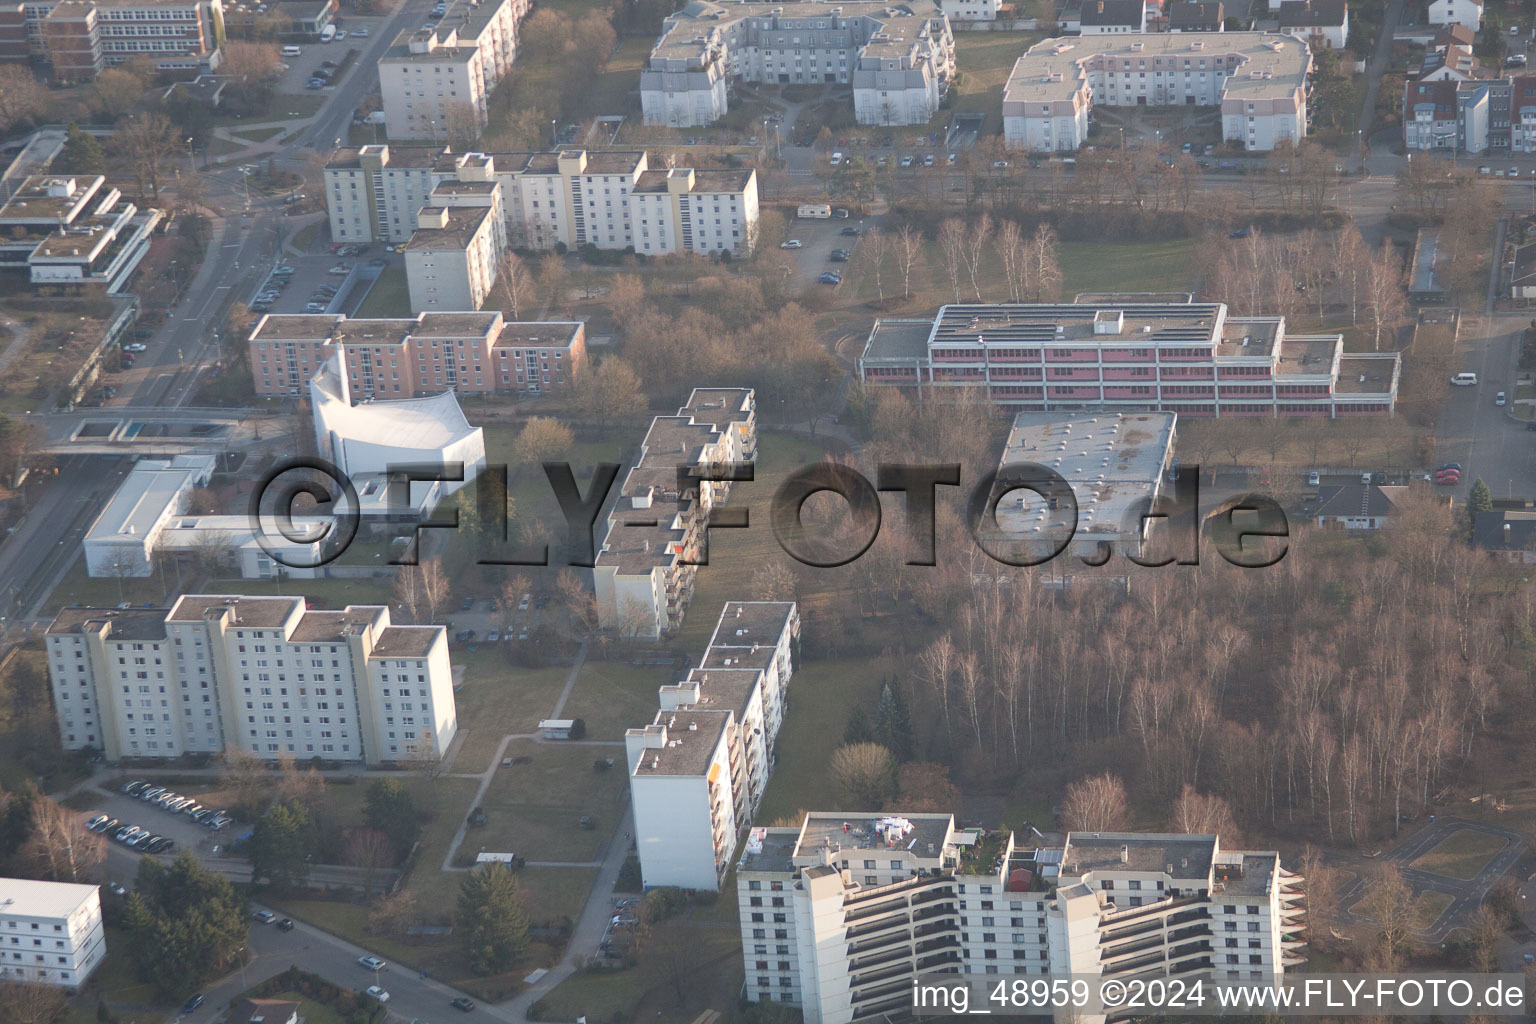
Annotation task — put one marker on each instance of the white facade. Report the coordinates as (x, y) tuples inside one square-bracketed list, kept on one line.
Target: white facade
[(899, 59), (123, 539), (50, 932), (261, 674), (839, 915), (970, 10), (1257, 79), (698, 771), (72, 230), (451, 260), (1456, 12), (644, 576), (608, 199), (435, 83)]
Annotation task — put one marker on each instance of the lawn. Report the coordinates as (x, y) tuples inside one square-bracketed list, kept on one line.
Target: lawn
[(1461, 855), (821, 696), (115, 982), (612, 696), (534, 808), (640, 994), (1428, 907), (389, 295), (984, 60), (1386, 444), (1085, 266), (734, 555), (498, 698), (260, 134), (103, 592)]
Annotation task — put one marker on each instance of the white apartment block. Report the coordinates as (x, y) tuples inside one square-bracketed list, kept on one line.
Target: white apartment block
[(841, 914), (698, 771), (970, 10), (452, 258), (611, 200), (50, 932), (436, 82), (1257, 79), (900, 59), (261, 674), (655, 532)]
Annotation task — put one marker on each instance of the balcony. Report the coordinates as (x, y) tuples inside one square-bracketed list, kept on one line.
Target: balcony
[(882, 978), (1130, 932), (1154, 942), (874, 961)]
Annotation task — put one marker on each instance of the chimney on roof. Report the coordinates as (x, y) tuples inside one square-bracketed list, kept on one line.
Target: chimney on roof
[(1125, 855)]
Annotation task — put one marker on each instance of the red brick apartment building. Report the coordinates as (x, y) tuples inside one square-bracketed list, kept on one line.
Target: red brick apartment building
[(78, 38), (470, 353)]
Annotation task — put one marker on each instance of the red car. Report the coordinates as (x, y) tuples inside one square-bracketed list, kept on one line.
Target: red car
[(1448, 478)]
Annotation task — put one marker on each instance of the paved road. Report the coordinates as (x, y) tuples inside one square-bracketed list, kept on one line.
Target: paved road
[(1466, 895), (1475, 432)]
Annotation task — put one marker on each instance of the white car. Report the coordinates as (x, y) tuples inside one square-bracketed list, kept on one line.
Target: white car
[(522, 605), (135, 347), (1314, 479), (341, 33), (378, 993), (837, 158), (792, 243), (373, 963), (1498, 399), (361, 33)]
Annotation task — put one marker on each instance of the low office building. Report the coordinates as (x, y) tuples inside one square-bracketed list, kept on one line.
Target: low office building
[(73, 232), (50, 932), (655, 531), (1115, 464), (899, 59), (262, 674), (610, 199), (841, 914), (1257, 79), (1187, 358), (436, 81), (452, 258), (77, 39), (698, 771), (475, 353)]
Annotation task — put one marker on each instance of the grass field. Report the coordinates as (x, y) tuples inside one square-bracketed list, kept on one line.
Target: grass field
[(1461, 855), (611, 696), (498, 698), (984, 60), (639, 993), (1428, 907), (389, 295), (78, 588), (534, 808)]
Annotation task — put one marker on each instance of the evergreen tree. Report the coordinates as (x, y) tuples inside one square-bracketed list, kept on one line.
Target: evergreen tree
[(282, 846), (492, 919), (858, 729), (391, 810), (1479, 499), (187, 924), (893, 722), (82, 153)]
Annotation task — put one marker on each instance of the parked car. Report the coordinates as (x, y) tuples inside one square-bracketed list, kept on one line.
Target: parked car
[(378, 993), (285, 925), (906, 161), (116, 889), (106, 826), (373, 963), (193, 1003), (1498, 399), (830, 278), (791, 243), (1314, 479), (463, 1003), (839, 256), (96, 820), (132, 788), (522, 605), (264, 917)]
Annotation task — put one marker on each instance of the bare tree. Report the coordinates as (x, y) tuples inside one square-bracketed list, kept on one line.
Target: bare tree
[(22, 96), (1391, 904), (425, 759), (1044, 270), (245, 774), (1095, 804), (1384, 290), (975, 245), (908, 249), (60, 847), (1348, 256), (461, 124), (1011, 254), (369, 850), (774, 581), (1196, 813), (393, 914), (873, 252), (299, 786), (144, 144), (542, 439), (866, 775), (952, 245), (607, 390), (516, 282), (435, 587), (1485, 928), (408, 592), (25, 1003)]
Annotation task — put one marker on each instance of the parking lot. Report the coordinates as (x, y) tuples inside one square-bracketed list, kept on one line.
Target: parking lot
[(817, 240), (312, 272), (188, 834), (313, 55)]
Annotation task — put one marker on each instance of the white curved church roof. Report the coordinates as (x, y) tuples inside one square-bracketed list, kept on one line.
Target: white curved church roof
[(407, 423)]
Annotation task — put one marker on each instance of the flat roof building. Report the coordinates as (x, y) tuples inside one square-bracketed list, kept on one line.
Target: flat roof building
[(71, 231), (158, 683), (80, 38), (50, 932), (436, 81), (1190, 358)]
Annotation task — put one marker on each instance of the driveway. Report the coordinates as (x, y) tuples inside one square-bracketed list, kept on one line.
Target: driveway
[(1475, 432)]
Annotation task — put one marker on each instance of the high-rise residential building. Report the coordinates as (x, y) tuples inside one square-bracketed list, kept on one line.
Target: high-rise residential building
[(656, 527), (899, 58), (50, 932), (452, 258), (1258, 80), (610, 199), (262, 674), (697, 772), (405, 357), (1122, 354), (78, 38), (840, 914), (436, 82)]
